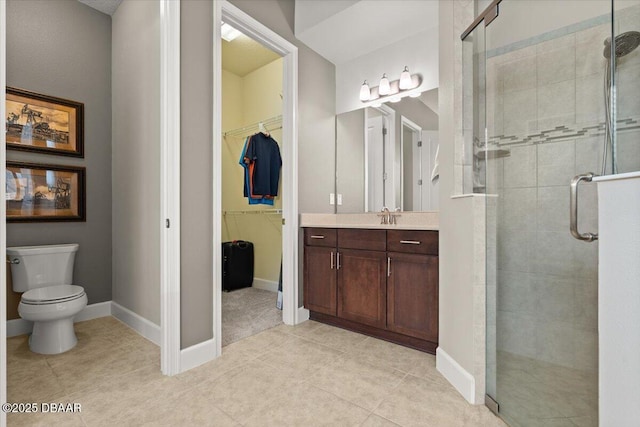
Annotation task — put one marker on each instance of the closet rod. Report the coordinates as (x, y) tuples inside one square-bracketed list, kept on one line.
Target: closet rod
[(261, 211), (255, 126)]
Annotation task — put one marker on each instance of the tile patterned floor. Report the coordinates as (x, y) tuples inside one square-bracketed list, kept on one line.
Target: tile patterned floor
[(534, 393), (335, 377)]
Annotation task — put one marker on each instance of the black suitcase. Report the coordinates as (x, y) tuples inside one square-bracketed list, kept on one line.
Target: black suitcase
[(237, 265)]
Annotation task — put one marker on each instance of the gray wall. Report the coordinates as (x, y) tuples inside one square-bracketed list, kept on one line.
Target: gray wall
[(63, 49), (196, 296), (316, 150), (136, 158), (350, 161)]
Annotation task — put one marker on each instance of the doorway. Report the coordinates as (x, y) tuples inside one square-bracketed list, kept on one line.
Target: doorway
[(252, 195), (225, 12)]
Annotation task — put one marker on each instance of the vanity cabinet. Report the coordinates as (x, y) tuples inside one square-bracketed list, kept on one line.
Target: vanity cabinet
[(382, 283), (320, 289), (362, 279), (412, 285)]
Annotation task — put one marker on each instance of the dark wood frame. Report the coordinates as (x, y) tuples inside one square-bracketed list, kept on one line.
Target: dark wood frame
[(81, 193), (79, 125)]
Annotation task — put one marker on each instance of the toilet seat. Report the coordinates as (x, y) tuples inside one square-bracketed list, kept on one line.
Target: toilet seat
[(52, 295)]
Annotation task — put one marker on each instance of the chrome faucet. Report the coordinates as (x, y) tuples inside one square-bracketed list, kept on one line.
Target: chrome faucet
[(385, 216), (393, 217)]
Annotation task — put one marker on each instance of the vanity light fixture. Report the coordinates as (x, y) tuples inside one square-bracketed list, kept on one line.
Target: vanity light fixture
[(415, 95), (384, 88), (228, 33), (405, 79), (393, 91), (365, 92)]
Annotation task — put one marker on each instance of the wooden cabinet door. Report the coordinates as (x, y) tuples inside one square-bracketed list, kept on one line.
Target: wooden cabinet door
[(412, 304), (320, 279), (362, 286)]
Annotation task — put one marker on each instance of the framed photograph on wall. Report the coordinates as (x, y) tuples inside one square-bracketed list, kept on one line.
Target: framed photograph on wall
[(40, 193), (44, 124)]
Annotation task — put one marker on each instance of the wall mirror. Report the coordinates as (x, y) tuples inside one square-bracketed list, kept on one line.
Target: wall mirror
[(386, 156)]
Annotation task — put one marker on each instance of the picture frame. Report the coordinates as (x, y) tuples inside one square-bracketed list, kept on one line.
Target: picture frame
[(44, 124), (44, 193)]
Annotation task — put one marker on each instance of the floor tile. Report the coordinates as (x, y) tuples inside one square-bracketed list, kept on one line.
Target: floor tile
[(45, 420), (306, 405), (376, 421), (384, 353), (420, 402), (358, 382), (299, 357)]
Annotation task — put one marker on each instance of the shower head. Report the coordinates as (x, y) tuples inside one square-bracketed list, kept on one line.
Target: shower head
[(625, 44)]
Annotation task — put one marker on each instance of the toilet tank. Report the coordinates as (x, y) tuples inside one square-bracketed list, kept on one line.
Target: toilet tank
[(41, 266)]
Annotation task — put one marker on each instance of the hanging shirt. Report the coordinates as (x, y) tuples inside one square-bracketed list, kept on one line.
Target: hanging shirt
[(261, 161)]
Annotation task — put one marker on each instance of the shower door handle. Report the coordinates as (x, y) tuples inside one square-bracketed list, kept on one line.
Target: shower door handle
[(573, 214)]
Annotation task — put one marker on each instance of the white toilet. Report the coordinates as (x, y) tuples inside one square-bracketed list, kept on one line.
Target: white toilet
[(44, 274)]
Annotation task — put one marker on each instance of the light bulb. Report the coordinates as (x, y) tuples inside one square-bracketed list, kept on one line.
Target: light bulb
[(365, 92), (405, 79), (384, 88)]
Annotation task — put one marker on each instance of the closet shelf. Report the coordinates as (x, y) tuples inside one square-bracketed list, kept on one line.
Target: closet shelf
[(254, 212), (270, 124)]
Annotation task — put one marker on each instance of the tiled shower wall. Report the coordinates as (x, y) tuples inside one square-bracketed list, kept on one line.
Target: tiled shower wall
[(545, 104)]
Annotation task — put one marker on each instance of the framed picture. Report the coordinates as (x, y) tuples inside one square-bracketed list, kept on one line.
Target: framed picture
[(40, 193), (44, 124)]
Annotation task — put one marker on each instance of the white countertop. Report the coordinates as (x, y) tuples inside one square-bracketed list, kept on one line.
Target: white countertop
[(406, 221)]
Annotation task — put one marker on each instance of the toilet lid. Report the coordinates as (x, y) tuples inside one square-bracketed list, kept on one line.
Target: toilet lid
[(52, 294)]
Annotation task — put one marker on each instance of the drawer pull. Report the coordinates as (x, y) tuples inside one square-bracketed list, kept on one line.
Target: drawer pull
[(332, 261), (388, 266), (317, 237), (338, 261), (410, 242)]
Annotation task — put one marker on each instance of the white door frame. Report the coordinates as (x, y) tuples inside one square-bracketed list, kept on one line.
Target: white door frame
[(389, 114), (416, 130), (170, 186), (225, 11), (3, 216)]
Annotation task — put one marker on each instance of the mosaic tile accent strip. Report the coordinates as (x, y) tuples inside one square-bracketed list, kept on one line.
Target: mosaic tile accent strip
[(560, 133)]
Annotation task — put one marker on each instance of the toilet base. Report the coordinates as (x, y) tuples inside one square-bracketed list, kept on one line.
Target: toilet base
[(53, 336)]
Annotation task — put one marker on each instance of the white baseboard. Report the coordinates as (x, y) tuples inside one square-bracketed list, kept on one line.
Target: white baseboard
[(17, 327), (197, 355), (462, 380), (267, 285), (303, 314), (144, 327)]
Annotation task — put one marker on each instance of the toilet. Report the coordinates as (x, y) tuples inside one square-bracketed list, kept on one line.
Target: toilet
[(44, 275)]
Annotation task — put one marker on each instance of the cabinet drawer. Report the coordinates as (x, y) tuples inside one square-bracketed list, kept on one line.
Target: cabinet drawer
[(320, 237), (372, 240), (413, 241)]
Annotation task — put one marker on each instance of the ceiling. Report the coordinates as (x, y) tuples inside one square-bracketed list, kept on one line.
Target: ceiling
[(243, 55), (354, 28), (105, 6)]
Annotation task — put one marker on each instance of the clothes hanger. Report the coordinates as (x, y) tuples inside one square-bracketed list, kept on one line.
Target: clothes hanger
[(262, 128)]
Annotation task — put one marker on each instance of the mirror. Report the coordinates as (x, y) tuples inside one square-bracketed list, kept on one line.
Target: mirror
[(386, 155)]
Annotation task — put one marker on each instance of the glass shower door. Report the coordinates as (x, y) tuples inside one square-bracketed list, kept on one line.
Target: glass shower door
[(546, 120)]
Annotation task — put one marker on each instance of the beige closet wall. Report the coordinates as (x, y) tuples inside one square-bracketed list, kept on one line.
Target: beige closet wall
[(247, 100)]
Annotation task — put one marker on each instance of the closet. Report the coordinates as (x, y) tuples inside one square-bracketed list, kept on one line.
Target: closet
[(252, 131)]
